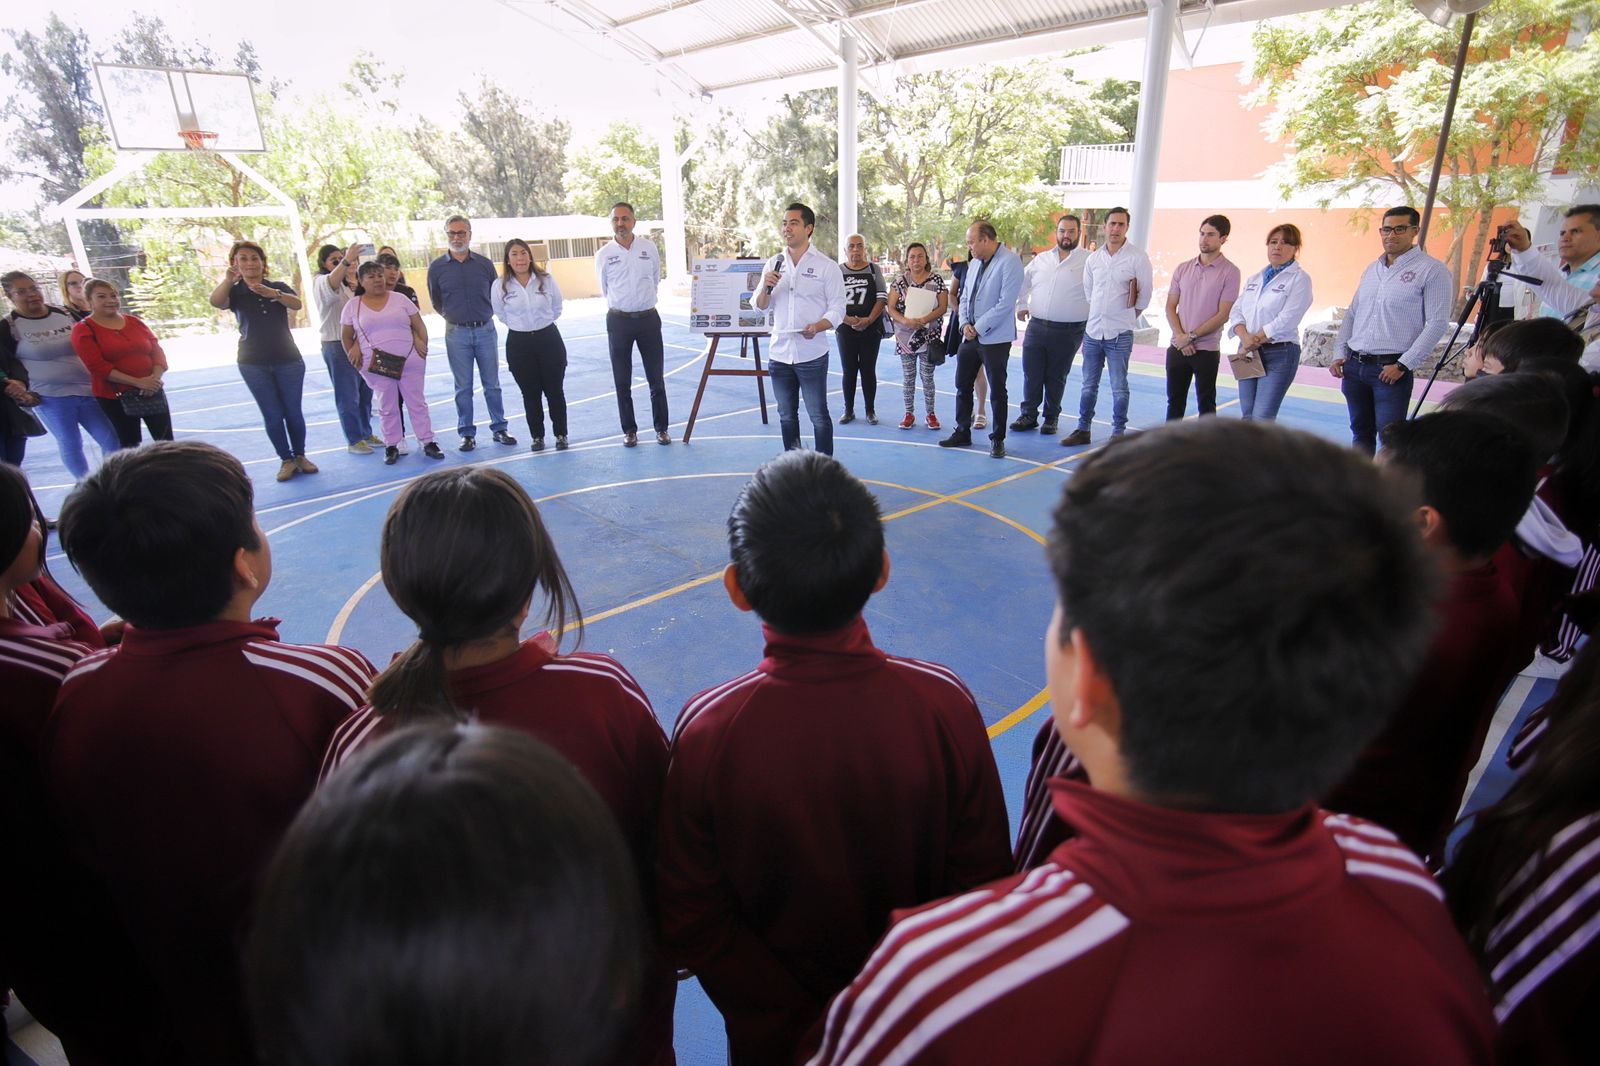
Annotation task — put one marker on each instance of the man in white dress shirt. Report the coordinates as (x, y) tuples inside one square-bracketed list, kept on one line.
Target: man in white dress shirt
[(1117, 282), (630, 270), (805, 290), (1056, 310), (1400, 310)]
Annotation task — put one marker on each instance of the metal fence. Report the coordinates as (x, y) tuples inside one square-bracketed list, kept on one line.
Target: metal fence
[(1097, 164)]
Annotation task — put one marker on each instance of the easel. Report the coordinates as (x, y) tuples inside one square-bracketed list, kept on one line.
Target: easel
[(748, 343)]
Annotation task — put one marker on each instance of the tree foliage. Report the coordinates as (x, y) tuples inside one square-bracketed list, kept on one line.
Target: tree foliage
[(505, 158), (1360, 93), (623, 165)]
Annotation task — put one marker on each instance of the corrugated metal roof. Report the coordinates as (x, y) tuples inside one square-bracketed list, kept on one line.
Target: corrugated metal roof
[(714, 44)]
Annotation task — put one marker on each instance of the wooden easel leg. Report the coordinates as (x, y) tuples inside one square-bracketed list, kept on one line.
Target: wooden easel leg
[(705, 373)]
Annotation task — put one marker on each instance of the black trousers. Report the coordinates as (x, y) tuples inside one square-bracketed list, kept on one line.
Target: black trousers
[(538, 363), (127, 426), (858, 353), (1201, 368), (992, 358), (623, 332)]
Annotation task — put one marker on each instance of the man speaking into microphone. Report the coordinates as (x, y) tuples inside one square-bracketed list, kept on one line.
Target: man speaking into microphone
[(805, 290)]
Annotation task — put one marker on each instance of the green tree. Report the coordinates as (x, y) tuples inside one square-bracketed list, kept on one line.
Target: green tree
[(623, 165), (1360, 92), (718, 195), (504, 159)]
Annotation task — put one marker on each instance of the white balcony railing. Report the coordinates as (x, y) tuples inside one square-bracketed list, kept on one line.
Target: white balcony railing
[(1097, 164)]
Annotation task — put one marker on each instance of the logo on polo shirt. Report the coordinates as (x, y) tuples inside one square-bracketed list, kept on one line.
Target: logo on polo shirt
[(1409, 276), (613, 259)]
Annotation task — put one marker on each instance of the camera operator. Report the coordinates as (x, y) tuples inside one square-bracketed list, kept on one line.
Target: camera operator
[(1567, 286)]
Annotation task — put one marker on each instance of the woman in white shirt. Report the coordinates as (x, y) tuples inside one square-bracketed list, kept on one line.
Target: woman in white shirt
[(1266, 320), (528, 300)]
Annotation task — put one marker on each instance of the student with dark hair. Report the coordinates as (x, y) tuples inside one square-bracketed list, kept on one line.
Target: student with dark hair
[(1203, 909), (396, 278), (177, 758), (1477, 473), (810, 797), (1525, 885), (470, 661), (61, 946), (269, 360), (1503, 351), (457, 896)]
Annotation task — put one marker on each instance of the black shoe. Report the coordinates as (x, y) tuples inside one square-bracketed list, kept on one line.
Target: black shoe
[(1048, 429), (561, 444), (959, 439), (997, 450), (502, 437), (872, 418), (538, 444), (391, 455), (433, 451), (1075, 438), (630, 440), (468, 443), (1024, 423), (847, 418), (663, 437)]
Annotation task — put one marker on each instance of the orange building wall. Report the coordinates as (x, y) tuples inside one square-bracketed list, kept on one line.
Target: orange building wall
[(1208, 134)]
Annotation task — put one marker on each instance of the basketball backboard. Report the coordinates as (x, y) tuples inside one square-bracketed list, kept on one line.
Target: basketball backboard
[(146, 107)]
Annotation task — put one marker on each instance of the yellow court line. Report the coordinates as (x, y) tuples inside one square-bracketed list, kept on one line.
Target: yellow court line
[(1021, 714)]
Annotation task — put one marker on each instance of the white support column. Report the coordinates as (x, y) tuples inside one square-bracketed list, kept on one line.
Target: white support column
[(848, 108), (291, 212), (673, 216), (1161, 25)]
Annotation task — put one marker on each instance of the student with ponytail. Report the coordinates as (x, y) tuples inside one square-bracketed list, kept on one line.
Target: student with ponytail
[(470, 663)]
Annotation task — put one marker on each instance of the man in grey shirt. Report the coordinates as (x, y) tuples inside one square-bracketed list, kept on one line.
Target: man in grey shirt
[(458, 286)]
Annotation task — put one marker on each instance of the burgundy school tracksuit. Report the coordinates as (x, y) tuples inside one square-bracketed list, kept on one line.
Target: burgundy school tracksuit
[(594, 714), (806, 800), (61, 944), (177, 760), (1163, 936), (1410, 776), (1543, 954)]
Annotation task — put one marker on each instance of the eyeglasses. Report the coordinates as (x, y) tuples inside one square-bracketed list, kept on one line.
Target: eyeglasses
[(1386, 230), (458, 233)]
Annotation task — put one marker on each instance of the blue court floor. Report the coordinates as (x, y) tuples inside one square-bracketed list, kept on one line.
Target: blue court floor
[(642, 530)]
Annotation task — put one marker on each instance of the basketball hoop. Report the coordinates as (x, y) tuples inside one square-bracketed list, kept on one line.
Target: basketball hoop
[(198, 140)]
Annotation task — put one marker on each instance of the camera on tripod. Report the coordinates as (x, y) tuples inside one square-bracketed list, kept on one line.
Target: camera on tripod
[(1499, 254)]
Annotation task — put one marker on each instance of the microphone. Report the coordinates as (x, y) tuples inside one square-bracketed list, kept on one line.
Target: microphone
[(777, 268)]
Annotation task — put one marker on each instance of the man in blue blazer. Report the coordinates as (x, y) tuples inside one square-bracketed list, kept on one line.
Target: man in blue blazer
[(988, 326)]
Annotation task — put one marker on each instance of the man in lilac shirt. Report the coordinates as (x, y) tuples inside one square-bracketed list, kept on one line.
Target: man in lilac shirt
[(1202, 293)]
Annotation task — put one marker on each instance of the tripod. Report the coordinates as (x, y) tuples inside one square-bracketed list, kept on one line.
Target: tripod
[(1486, 297)]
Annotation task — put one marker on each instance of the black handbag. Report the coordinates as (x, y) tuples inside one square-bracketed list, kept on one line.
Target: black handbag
[(936, 353), (384, 364), (138, 404), (17, 420)]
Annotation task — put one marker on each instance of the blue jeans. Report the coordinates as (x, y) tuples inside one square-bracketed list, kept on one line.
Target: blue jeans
[(1372, 404), (465, 347), (1260, 398), (1048, 349), (277, 388), (789, 380), (63, 416), (352, 396), (1097, 355)]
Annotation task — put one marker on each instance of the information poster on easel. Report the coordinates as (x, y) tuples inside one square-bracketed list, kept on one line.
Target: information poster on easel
[(722, 296)]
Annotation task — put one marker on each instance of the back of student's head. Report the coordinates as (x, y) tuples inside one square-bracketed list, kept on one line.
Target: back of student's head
[(806, 540), (463, 552), (1259, 599), (1478, 471), (1578, 461), (1535, 403), (456, 896), (1531, 338), (155, 532)]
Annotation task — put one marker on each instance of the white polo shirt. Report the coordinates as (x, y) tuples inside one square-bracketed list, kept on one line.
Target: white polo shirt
[(523, 307), (808, 291), (1276, 306), (1052, 287), (629, 276)]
